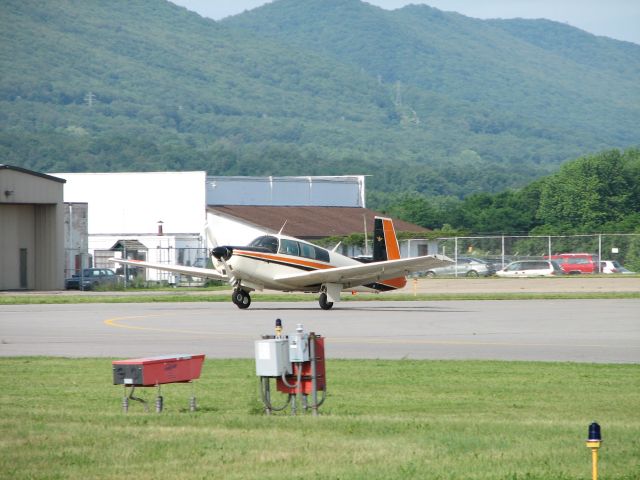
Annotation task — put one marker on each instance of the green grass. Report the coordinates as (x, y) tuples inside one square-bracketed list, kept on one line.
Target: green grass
[(293, 297), (62, 418)]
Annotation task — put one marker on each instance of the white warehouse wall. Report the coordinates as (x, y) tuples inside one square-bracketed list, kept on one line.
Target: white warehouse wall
[(230, 231), (133, 203)]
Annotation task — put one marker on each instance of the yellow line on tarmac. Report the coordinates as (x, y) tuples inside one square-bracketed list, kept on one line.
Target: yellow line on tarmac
[(116, 322)]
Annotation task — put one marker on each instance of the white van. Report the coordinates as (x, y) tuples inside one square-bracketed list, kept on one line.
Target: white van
[(531, 268)]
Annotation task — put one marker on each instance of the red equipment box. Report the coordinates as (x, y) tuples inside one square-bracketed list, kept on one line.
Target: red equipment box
[(151, 371), (306, 373)]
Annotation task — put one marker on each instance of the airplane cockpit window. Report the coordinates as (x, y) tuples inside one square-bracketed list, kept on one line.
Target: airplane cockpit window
[(322, 254), (268, 242), (289, 247)]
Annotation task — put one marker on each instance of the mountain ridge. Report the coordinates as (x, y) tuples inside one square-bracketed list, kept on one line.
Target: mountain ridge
[(430, 101)]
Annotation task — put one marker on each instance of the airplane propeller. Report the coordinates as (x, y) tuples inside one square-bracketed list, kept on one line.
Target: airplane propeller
[(219, 255)]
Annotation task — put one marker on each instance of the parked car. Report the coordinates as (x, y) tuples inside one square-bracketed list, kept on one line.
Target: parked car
[(531, 268), (576, 263), (466, 267), (612, 266), (91, 278)]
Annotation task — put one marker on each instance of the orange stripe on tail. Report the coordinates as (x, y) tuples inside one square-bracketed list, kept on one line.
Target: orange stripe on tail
[(386, 247)]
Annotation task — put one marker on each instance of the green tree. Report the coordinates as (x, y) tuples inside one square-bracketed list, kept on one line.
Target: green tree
[(590, 192)]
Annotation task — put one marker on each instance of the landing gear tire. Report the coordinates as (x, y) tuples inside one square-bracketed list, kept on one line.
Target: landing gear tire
[(324, 304), (241, 299)]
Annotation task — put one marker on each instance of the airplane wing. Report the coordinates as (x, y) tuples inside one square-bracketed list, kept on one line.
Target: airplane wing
[(167, 267), (362, 274)]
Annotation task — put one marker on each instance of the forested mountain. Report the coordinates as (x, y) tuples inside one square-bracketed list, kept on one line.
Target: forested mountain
[(423, 100)]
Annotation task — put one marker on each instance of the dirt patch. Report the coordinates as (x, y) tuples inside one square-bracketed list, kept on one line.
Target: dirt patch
[(566, 284)]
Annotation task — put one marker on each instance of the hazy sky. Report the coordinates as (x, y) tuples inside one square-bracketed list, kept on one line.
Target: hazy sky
[(619, 19)]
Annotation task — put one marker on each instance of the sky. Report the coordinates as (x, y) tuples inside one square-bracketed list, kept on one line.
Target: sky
[(619, 19)]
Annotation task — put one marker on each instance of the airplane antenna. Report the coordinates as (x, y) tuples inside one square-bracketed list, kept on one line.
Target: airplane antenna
[(282, 228)]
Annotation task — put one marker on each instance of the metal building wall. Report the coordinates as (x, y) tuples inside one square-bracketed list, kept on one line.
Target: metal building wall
[(336, 191), (31, 230)]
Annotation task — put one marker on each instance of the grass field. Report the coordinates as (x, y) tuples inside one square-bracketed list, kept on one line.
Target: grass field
[(62, 418), (293, 297)]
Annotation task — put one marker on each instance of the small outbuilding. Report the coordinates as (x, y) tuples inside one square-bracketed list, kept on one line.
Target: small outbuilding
[(31, 230)]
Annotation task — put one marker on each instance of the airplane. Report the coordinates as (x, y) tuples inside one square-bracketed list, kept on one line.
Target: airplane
[(281, 262)]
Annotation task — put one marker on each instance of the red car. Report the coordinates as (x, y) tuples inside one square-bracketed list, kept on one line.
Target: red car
[(576, 263)]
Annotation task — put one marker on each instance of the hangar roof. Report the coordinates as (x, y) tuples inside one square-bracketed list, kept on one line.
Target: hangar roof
[(311, 222), (31, 172)]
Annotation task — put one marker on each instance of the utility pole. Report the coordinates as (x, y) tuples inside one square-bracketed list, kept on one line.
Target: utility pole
[(89, 98)]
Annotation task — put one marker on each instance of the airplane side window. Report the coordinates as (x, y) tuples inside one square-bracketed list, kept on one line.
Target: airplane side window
[(307, 251), (289, 247)]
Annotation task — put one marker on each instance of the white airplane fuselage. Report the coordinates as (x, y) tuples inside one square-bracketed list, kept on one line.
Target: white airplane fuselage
[(260, 270)]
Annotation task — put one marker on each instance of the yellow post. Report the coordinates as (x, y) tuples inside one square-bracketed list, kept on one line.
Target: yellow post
[(415, 286), (594, 446)]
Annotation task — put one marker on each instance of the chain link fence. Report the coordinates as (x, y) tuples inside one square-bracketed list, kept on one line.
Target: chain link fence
[(501, 250)]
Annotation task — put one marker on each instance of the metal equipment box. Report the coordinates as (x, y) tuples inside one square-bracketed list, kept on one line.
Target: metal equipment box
[(299, 347), (150, 371), (272, 357), (307, 371)]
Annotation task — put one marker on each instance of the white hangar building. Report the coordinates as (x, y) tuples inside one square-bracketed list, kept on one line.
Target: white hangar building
[(166, 217), (157, 216)]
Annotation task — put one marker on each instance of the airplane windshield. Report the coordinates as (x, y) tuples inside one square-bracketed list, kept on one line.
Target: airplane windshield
[(268, 242)]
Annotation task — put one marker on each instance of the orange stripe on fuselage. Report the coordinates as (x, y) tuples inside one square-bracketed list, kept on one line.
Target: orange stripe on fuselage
[(279, 258)]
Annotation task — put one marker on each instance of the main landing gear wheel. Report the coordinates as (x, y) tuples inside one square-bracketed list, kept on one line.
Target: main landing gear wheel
[(324, 304), (241, 299)]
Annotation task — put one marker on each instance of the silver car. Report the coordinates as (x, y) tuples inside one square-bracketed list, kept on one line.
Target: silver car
[(531, 268), (465, 267)]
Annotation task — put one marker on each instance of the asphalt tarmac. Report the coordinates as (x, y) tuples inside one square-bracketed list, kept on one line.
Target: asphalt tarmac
[(600, 331)]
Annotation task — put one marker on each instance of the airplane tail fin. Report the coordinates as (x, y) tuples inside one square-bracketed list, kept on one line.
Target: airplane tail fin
[(385, 243), (386, 247)]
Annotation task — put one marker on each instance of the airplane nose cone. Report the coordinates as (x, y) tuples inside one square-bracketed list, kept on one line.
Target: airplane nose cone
[(222, 253)]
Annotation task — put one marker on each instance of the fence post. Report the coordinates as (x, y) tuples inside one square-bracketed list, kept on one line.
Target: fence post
[(599, 253), (455, 256), (126, 267)]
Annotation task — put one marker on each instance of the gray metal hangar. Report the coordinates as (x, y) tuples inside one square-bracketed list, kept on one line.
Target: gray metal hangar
[(31, 230)]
